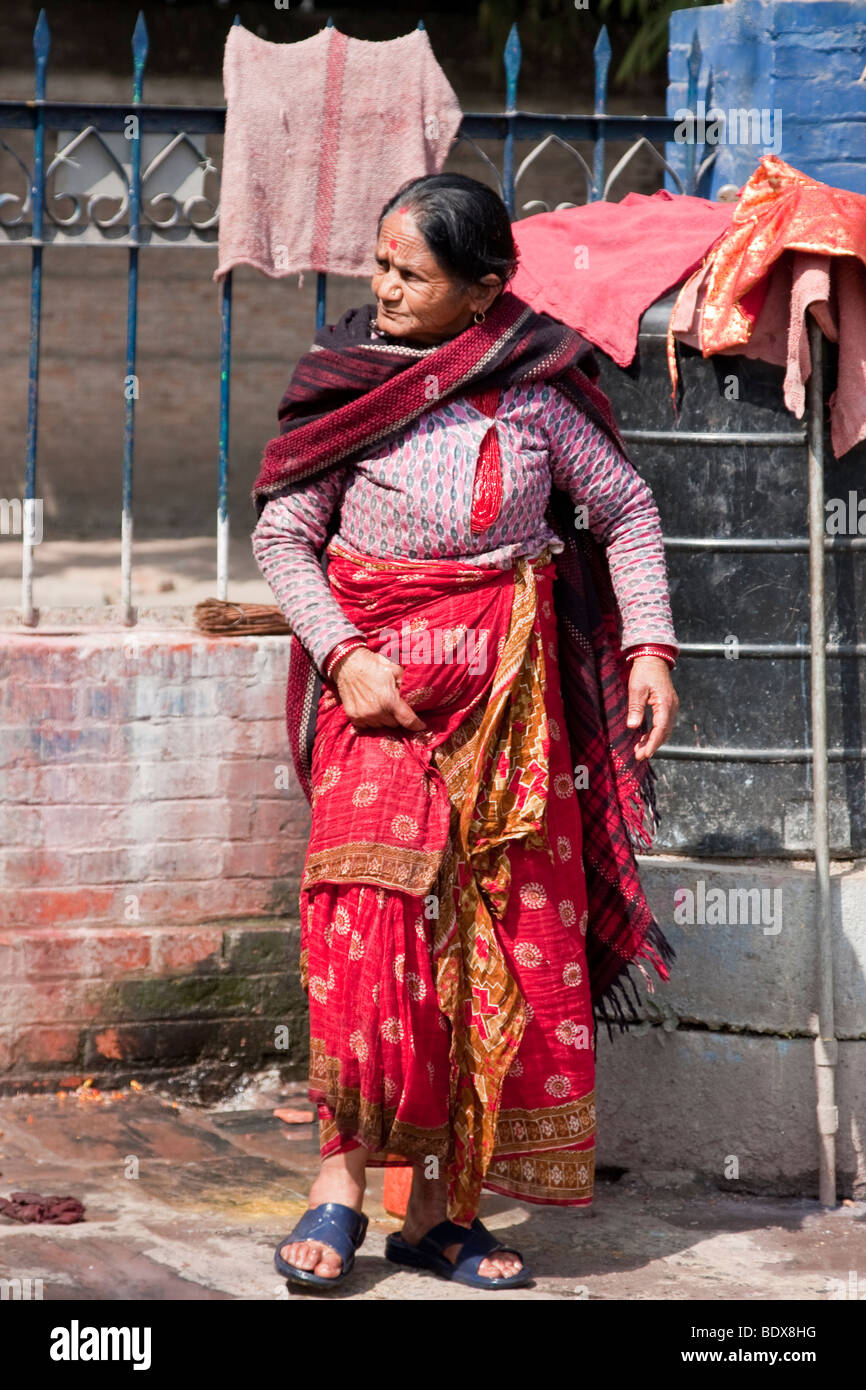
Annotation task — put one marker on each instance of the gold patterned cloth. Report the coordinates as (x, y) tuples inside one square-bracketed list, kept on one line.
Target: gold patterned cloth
[(496, 773), (796, 239)]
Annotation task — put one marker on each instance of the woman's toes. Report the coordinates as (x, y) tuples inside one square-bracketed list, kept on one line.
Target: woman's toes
[(319, 1259), (499, 1267), (301, 1255), (329, 1265)]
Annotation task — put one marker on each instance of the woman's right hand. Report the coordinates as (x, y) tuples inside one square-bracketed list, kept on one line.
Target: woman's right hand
[(369, 688)]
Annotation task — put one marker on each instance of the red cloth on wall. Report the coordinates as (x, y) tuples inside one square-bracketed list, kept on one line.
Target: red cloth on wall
[(599, 267)]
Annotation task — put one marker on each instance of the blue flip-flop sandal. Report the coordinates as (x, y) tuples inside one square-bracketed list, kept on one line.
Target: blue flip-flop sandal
[(333, 1224), (476, 1244)]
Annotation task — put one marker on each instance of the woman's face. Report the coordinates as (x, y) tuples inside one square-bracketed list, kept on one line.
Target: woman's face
[(417, 298)]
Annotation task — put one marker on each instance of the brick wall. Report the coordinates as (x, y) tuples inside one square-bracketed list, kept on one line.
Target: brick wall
[(152, 836)]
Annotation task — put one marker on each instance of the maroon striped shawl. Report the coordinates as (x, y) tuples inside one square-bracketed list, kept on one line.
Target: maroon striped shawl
[(351, 391)]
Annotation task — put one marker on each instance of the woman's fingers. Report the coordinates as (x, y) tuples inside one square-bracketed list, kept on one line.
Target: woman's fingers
[(369, 687), (649, 742), (407, 717), (374, 721), (663, 723), (395, 715), (650, 684)]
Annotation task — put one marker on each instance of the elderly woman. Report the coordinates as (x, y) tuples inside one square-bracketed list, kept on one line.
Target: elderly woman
[(469, 679)]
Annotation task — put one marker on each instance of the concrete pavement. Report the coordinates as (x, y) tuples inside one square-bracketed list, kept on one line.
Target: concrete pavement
[(186, 1202)]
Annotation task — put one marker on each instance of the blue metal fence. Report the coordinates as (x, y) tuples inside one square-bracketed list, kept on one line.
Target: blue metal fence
[(144, 230)]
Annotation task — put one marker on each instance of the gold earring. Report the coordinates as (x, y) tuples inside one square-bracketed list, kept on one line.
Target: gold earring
[(482, 318)]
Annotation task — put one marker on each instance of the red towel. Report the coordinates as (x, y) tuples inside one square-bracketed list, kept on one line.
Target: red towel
[(599, 267)]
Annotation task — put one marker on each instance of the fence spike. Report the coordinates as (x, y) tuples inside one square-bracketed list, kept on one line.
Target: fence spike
[(601, 55), (140, 41), (695, 55), (693, 68), (511, 57), (41, 39)]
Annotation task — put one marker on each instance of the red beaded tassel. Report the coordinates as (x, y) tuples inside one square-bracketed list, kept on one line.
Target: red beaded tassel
[(487, 492)]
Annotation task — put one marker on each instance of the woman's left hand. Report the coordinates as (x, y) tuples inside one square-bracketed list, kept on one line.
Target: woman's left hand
[(650, 684)]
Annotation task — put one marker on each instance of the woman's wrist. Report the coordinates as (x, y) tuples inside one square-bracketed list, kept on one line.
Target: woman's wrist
[(661, 649), (338, 654)]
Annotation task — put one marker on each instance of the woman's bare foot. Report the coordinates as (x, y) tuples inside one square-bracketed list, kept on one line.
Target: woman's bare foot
[(342, 1178), (428, 1205)]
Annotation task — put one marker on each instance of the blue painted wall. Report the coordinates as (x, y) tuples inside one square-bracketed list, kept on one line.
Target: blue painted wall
[(804, 59)]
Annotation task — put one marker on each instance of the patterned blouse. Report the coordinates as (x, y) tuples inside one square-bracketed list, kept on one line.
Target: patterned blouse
[(413, 497)]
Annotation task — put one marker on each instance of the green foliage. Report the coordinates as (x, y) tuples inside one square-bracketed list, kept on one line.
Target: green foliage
[(553, 29), (650, 43), (549, 29)]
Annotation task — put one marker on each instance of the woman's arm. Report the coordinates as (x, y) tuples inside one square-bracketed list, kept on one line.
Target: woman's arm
[(290, 532), (617, 506)]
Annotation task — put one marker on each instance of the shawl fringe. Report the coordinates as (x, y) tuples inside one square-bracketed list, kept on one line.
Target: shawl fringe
[(619, 1006)]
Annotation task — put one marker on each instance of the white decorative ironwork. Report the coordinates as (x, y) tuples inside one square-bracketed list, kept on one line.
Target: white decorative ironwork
[(536, 204), (87, 190), (23, 199)]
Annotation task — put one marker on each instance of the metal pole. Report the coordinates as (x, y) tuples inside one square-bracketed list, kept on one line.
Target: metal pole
[(694, 69), (223, 480), (321, 297), (826, 1047), (139, 56), (222, 556), (41, 48)]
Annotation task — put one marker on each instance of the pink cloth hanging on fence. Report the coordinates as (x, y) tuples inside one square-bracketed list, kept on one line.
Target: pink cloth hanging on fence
[(319, 134)]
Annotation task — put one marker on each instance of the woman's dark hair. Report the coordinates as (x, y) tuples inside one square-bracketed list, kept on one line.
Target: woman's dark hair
[(465, 224)]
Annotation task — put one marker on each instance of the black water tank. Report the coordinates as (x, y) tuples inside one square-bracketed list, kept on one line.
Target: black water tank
[(734, 808)]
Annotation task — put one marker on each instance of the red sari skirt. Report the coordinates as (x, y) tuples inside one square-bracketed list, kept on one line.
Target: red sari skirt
[(443, 903)]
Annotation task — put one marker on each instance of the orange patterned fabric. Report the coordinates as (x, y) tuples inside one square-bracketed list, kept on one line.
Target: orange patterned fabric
[(499, 778), (779, 209)]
